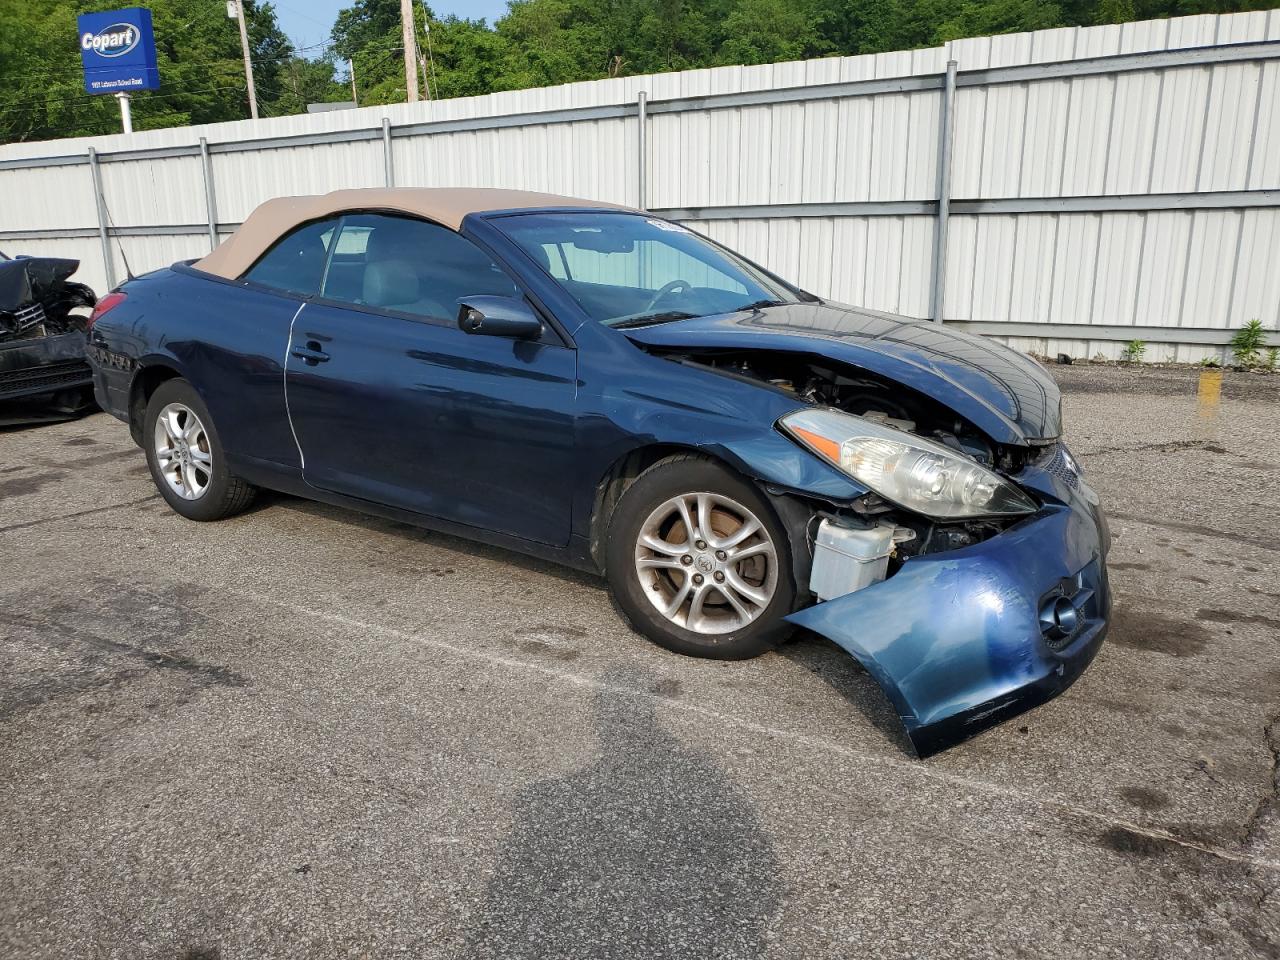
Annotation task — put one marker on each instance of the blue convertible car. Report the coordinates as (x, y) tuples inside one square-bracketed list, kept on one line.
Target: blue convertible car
[(609, 389)]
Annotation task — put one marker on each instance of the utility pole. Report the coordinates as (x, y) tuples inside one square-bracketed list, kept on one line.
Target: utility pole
[(351, 70), (410, 52), (248, 62)]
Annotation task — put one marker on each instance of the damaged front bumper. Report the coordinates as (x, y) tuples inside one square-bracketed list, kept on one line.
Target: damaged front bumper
[(42, 340), (47, 365), (965, 639)]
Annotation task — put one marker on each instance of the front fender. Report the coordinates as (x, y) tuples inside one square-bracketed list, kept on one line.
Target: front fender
[(778, 461), (731, 420)]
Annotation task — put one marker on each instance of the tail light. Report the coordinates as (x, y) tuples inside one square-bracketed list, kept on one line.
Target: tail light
[(104, 306)]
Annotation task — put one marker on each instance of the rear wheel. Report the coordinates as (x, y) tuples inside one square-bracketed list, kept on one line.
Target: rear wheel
[(698, 561), (186, 458)]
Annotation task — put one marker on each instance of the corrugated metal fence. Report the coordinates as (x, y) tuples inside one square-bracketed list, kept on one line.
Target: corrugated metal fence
[(1067, 189)]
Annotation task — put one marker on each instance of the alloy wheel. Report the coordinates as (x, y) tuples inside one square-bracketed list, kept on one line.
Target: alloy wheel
[(183, 454), (706, 563)]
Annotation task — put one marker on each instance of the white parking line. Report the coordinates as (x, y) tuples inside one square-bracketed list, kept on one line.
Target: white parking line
[(911, 768)]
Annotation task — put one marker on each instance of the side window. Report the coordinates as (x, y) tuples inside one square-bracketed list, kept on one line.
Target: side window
[(410, 266), (296, 262)]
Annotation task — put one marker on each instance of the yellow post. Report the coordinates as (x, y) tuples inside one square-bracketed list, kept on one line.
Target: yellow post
[(1208, 393)]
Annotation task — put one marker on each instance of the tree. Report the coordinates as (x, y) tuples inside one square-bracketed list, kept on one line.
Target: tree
[(198, 53), (536, 43), (768, 31)]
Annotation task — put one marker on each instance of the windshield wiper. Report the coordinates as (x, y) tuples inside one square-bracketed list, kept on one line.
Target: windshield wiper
[(759, 304), (646, 319)]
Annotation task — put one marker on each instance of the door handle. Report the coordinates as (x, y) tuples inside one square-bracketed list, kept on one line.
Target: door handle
[(311, 354)]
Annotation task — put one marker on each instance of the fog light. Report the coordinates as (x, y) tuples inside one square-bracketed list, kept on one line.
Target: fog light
[(1059, 620)]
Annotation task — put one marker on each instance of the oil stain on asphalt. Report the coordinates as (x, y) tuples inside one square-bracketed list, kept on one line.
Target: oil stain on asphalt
[(554, 643), (1145, 797), (1135, 843), (1156, 632), (139, 635), (34, 483)]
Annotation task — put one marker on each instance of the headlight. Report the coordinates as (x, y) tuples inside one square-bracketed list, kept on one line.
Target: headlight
[(910, 471)]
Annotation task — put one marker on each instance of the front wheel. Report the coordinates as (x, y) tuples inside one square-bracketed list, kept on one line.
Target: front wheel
[(699, 562)]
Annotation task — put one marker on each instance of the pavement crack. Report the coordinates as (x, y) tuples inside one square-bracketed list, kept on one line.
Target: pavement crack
[(1166, 446), (1268, 803), (71, 516), (207, 674), (1199, 530), (1270, 800)]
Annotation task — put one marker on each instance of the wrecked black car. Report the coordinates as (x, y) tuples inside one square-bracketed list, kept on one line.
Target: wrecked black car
[(43, 319)]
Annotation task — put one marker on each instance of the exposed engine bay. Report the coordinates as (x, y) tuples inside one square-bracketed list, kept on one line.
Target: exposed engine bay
[(819, 382)]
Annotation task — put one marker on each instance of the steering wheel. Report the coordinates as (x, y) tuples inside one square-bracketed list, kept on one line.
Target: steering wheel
[(670, 287)]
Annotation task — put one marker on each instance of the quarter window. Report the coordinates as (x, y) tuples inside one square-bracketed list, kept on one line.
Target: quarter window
[(296, 263), (410, 266)]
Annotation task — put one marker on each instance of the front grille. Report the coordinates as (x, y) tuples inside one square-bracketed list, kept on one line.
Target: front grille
[(1057, 463), (52, 376), (25, 320)]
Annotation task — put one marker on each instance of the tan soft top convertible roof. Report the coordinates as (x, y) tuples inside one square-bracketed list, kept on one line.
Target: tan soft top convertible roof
[(445, 205)]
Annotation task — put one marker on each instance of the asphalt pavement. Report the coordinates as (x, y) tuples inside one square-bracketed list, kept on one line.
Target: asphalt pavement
[(304, 732)]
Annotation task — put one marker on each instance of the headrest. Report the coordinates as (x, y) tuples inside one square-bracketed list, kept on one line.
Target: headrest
[(389, 283), (391, 238), (539, 253)]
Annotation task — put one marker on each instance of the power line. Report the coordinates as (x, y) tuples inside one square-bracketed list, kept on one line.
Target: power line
[(87, 97), (305, 16), (166, 90), (70, 72), (159, 96), (111, 124), (169, 90)]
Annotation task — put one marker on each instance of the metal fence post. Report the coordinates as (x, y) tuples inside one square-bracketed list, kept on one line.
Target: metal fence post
[(210, 197), (642, 117), (946, 138), (100, 203), (388, 170)]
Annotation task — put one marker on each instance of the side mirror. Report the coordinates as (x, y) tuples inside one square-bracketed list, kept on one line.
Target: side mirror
[(498, 317)]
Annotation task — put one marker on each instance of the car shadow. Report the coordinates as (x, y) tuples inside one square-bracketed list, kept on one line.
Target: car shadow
[(650, 850), (848, 678), (408, 531)]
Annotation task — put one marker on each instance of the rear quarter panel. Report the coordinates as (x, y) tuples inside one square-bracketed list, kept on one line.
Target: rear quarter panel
[(227, 339)]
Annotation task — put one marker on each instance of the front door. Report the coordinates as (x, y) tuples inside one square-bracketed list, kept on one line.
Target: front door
[(392, 403)]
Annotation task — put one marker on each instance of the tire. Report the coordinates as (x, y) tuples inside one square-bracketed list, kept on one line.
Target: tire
[(643, 579), (222, 493)]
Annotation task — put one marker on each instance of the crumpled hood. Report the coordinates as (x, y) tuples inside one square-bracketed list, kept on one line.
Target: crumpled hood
[(1002, 392)]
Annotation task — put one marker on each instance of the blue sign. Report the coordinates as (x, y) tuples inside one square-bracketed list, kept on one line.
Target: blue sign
[(118, 51)]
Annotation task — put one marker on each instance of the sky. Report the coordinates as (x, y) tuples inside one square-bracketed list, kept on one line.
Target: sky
[(307, 22)]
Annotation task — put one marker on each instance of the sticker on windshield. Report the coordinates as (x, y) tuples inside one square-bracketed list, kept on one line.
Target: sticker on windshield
[(665, 225)]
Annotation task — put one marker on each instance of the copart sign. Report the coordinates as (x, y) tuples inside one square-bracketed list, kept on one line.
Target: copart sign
[(118, 50)]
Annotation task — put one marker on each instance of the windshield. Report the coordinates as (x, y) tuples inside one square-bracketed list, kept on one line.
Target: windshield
[(631, 270)]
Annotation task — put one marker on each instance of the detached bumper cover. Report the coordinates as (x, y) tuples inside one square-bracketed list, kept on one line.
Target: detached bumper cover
[(963, 640)]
